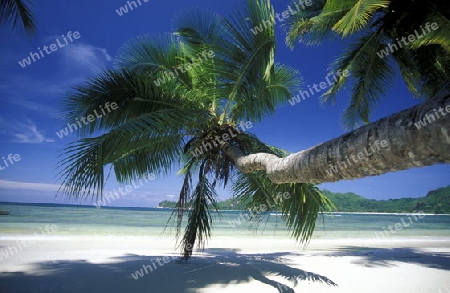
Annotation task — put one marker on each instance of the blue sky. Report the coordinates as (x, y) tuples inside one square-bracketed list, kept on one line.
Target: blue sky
[(31, 98)]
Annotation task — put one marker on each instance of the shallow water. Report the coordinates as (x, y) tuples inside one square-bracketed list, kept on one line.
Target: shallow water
[(88, 220)]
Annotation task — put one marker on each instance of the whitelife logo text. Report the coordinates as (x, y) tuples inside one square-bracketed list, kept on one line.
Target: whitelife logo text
[(90, 118), (53, 47)]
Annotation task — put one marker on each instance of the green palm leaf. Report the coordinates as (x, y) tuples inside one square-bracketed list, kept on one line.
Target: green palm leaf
[(299, 203), (247, 61), (301, 208), (371, 76), (382, 27), (197, 203), (410, 72), (315, 23), (150, 143), (249, 82), (198, 227), (359, 16), (81, 170), (439, 36), (135, 94), (200, 28), (263, 100), (159, 126), (426, 70), (156, 51), (18, 13)]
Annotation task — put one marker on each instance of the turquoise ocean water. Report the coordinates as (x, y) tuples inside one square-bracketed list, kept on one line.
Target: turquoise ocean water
[(88, 220)]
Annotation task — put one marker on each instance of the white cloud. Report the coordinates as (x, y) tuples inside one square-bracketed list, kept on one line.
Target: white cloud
[(85, 57), (18, 191), (77, 62), (34, 94), (18, 185), (26, 133)]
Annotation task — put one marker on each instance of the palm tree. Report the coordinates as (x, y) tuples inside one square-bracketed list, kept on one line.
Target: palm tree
[(412, 138), (413, 36), (18, 13), (180, 99)]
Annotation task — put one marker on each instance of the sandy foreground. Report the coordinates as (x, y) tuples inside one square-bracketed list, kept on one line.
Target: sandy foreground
[(258, 264)]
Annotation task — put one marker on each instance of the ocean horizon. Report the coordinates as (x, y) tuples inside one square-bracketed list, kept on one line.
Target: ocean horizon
[(26, 218)]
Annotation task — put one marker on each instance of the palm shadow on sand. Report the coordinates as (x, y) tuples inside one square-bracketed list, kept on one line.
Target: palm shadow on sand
[(387, 257), (215, 266)]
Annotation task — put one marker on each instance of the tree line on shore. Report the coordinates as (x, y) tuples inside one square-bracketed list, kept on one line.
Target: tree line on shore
[(435, 202)]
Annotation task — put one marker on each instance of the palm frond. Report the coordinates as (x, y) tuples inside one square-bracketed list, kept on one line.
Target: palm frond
[(18, 13), (199, 222), (299, 203), (81, 170), (158, 155), (359, 16), (315, 23), (410, 72), (155, 51), (247, 61), (199, 28), (244, 73), (261, 101), (426, 70), (248, 143), (203, 31), (257, 193), (370, 74), (150, 143), (429, 35), (183, 199), (213, 164), (301, 208), (135, 95), (423, 62)]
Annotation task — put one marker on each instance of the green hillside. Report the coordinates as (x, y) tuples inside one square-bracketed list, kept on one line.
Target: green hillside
[(435, 202), (229, 204), (350, 202)]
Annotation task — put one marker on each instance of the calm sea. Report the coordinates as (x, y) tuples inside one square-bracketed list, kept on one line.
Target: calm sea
[(87, 220)]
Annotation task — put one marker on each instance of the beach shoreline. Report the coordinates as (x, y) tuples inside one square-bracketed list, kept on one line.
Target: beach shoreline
[(88, 263), (92, 206)]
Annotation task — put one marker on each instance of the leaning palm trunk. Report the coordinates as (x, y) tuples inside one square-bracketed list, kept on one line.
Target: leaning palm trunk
[(416, 137)]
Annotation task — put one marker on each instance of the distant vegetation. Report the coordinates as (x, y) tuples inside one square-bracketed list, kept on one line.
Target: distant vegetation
[(435, 202), (229, 204)]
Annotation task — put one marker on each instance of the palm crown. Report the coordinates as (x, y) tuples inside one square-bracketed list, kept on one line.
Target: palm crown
[(411, 35), (180, 99)]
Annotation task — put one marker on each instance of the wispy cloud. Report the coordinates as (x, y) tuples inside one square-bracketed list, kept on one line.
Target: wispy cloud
[(19, 185), (77, 61), (26, 133), (86, 57), (33, 94), (19, 191)]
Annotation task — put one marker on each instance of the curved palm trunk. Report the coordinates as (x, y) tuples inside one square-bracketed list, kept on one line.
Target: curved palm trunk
[(416, 137)]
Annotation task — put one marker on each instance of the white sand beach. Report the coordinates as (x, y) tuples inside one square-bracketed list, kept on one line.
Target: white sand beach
[(228, 264)]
